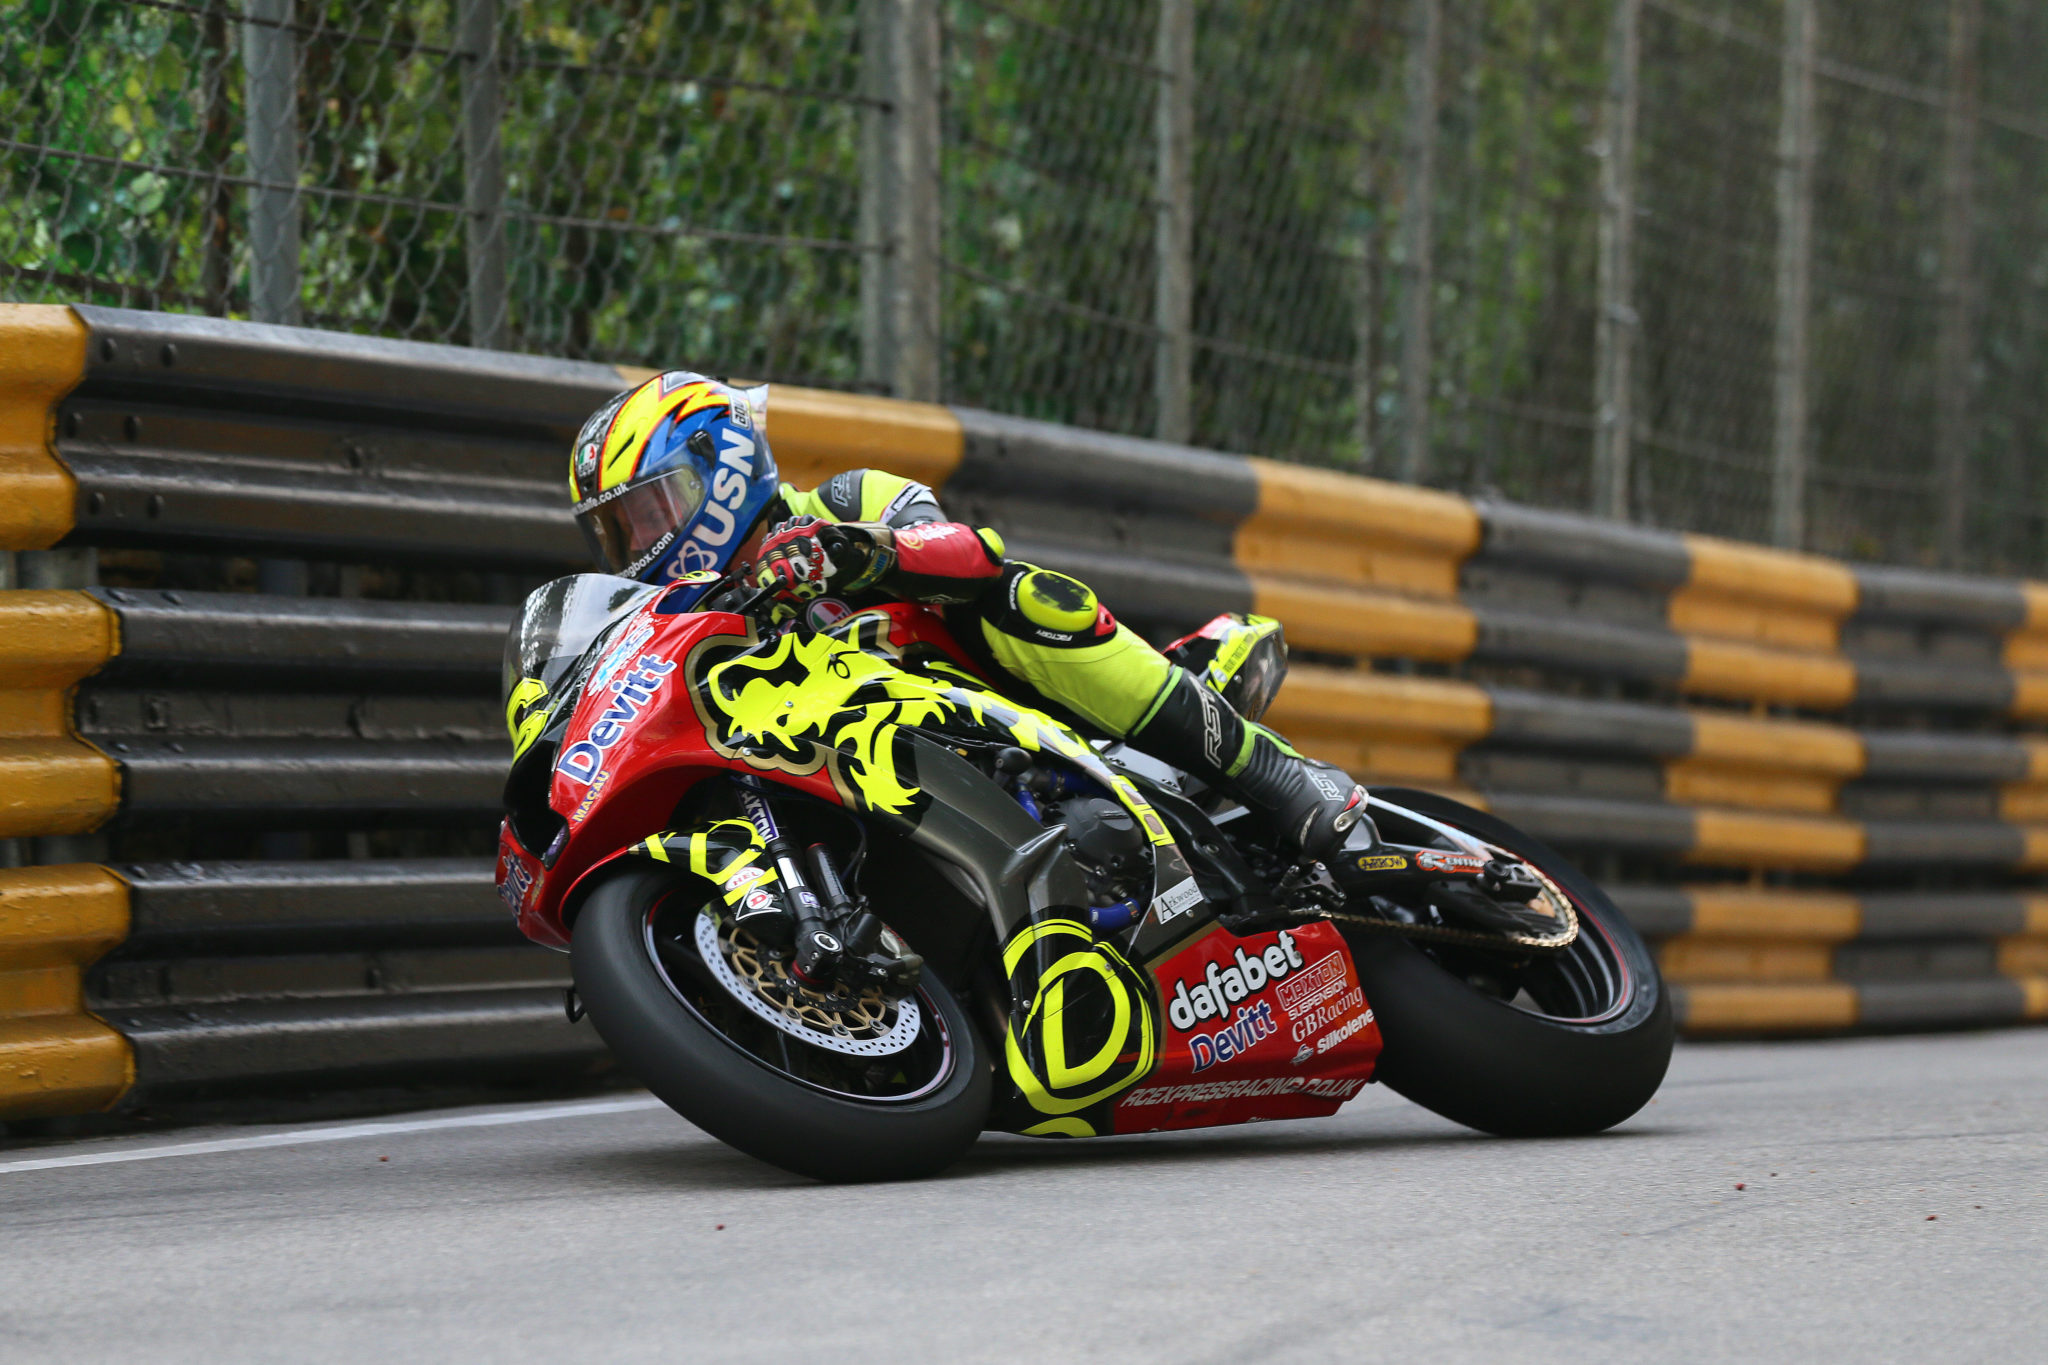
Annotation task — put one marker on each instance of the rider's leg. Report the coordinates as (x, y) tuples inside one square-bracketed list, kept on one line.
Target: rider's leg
[(1051, 631)]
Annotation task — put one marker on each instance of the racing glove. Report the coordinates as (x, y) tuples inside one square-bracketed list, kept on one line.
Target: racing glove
[(805, 557)]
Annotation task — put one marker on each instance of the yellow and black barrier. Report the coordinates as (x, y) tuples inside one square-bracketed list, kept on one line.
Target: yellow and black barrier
[(55, 1056), (1759, 960), (1818, 735)]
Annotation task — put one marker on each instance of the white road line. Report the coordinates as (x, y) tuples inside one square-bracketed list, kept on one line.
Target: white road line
[(300, 1136)]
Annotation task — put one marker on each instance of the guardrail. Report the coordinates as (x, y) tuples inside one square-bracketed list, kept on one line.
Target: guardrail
[(1804, 778)]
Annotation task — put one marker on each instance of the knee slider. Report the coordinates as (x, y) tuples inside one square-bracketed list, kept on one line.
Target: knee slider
[(1054, 601)]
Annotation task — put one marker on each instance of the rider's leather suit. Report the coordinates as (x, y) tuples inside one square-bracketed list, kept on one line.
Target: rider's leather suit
[(1049, 634)]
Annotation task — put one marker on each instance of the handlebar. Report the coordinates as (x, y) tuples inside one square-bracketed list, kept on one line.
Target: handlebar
[(830, 536)]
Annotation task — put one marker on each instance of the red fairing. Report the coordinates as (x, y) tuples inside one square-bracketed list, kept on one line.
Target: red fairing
[(944, 549), (1274, 1026), (519, 872), (636, 745)]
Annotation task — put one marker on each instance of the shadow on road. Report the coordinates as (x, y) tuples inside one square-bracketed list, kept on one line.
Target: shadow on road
[(714, 1166), (999, 1152)]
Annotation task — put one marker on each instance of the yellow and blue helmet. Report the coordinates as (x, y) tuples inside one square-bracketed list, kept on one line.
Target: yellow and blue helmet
[(668, 478)]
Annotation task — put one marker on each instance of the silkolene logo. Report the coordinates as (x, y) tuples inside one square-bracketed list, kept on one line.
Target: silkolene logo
[(583, 760), (1223, 986)]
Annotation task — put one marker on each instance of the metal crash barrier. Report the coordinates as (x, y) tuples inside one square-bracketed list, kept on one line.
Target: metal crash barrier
[(248, 829)]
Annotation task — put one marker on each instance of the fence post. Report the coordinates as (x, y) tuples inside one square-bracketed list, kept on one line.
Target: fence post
[(1365, 305), (217, 141), (877, 261), (899, 204), (1955, 335), (1614, 335), (1174, 234), (270, 68), (1418, 228), (1795, 275), (483, 172)]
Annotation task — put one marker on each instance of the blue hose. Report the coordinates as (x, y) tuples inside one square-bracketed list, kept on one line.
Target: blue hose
[(1109, 918)]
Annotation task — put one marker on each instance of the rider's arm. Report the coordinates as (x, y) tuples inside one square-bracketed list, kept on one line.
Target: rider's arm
[(898, 539), (943, 561), (866, 495)]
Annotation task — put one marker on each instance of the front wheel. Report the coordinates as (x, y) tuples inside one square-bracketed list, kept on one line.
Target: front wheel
[(842, 1089), (1569, 1043)]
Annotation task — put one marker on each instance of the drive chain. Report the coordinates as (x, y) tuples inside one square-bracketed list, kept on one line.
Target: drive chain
[(1561, 906)]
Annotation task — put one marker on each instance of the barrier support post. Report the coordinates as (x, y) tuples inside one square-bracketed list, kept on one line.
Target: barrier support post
[(1615, 327), (217, 141), (899, 198), (270, 64), (1795, 276), (1955, 334), (1418, 231), (483, 173), (1173, 361)]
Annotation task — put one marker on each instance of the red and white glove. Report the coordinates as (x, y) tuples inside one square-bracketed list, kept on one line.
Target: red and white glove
[(794, 560)]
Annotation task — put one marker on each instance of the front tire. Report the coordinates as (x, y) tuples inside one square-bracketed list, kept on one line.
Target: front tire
[(716, 1082), (1590, 1052)]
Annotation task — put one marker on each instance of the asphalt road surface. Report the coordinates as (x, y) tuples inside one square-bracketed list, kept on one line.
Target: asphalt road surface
[(1871, 1200)]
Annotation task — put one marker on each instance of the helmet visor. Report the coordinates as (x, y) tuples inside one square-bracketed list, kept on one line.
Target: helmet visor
[(628, 530)]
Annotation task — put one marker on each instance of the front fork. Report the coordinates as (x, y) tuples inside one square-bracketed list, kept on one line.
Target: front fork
[(818, 904)]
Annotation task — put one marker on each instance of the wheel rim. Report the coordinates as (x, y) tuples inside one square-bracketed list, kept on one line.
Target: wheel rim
[(894, 1055), (1587, 982)]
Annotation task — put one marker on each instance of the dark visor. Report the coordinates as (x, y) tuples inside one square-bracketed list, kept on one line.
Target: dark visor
[(623, 530)]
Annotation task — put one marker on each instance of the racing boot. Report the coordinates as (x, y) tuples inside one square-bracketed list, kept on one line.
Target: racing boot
[(1314, 805)]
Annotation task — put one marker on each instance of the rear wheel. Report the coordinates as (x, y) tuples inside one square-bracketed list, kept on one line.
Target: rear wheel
[(832, 1087), (1547, 1045)]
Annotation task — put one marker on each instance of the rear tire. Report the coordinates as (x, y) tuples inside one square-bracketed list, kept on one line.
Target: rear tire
[(742, 1101), (1482, 1062)]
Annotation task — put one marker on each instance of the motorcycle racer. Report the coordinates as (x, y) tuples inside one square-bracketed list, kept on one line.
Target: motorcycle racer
[(673, 482)]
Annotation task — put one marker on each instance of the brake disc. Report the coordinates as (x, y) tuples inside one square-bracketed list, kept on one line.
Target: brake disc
[(864, 1025)]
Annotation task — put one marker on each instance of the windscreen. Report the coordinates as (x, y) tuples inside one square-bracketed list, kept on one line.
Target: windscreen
[(561, 619)]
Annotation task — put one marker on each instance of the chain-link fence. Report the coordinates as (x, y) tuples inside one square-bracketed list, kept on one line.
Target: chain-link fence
[(1769, 268), (624, 180)]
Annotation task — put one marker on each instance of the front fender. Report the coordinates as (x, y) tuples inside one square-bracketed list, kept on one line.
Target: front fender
[(727, 855)]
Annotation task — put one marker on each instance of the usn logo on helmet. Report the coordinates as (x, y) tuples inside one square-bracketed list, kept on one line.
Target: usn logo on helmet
[(711, 533)]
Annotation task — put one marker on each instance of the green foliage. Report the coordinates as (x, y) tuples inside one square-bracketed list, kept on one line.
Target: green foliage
[(682, 186), (114, 212)]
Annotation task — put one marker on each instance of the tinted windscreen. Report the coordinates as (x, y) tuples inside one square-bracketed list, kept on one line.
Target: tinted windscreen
[(561, 619)]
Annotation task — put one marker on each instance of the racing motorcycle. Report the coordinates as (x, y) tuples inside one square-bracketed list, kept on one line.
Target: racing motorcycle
[(838, 901)]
